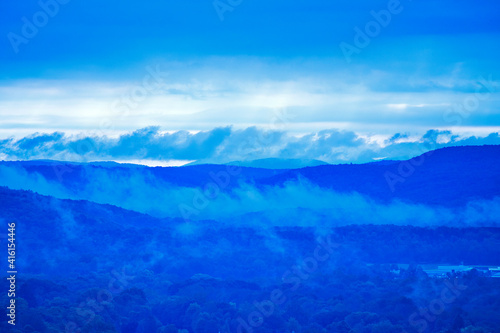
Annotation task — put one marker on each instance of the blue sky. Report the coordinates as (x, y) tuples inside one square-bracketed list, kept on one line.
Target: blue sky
[(105, 69)]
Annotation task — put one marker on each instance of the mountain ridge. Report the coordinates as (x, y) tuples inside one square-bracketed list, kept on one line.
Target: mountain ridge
[(451, 176)]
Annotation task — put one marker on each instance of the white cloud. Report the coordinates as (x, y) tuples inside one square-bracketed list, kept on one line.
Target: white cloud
[(242, 93), (154, 146)]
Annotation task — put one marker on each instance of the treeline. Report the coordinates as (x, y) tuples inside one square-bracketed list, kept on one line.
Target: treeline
[(349, 298), (86, 267)]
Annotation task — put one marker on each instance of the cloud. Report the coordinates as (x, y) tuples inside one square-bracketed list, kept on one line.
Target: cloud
[(300, 203), (295, 203), (36, 141), (19, 179), (204, 93), (150, 143), (226, 144)]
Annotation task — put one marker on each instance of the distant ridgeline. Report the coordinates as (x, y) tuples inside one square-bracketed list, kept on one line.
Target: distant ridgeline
[(447, 177), (104, 247), (97, 235)]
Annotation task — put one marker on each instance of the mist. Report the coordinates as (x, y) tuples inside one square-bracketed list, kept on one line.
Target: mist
[(294, 203), (222, 145)]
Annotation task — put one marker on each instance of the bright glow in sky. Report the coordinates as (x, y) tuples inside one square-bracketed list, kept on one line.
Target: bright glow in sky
[(376, 68)]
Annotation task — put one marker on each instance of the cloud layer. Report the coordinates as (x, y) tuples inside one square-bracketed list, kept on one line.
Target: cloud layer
[(301, 96), (295, 203), (226, 144)]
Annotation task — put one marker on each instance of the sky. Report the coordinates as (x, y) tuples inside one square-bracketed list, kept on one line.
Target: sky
[(386, 75)]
